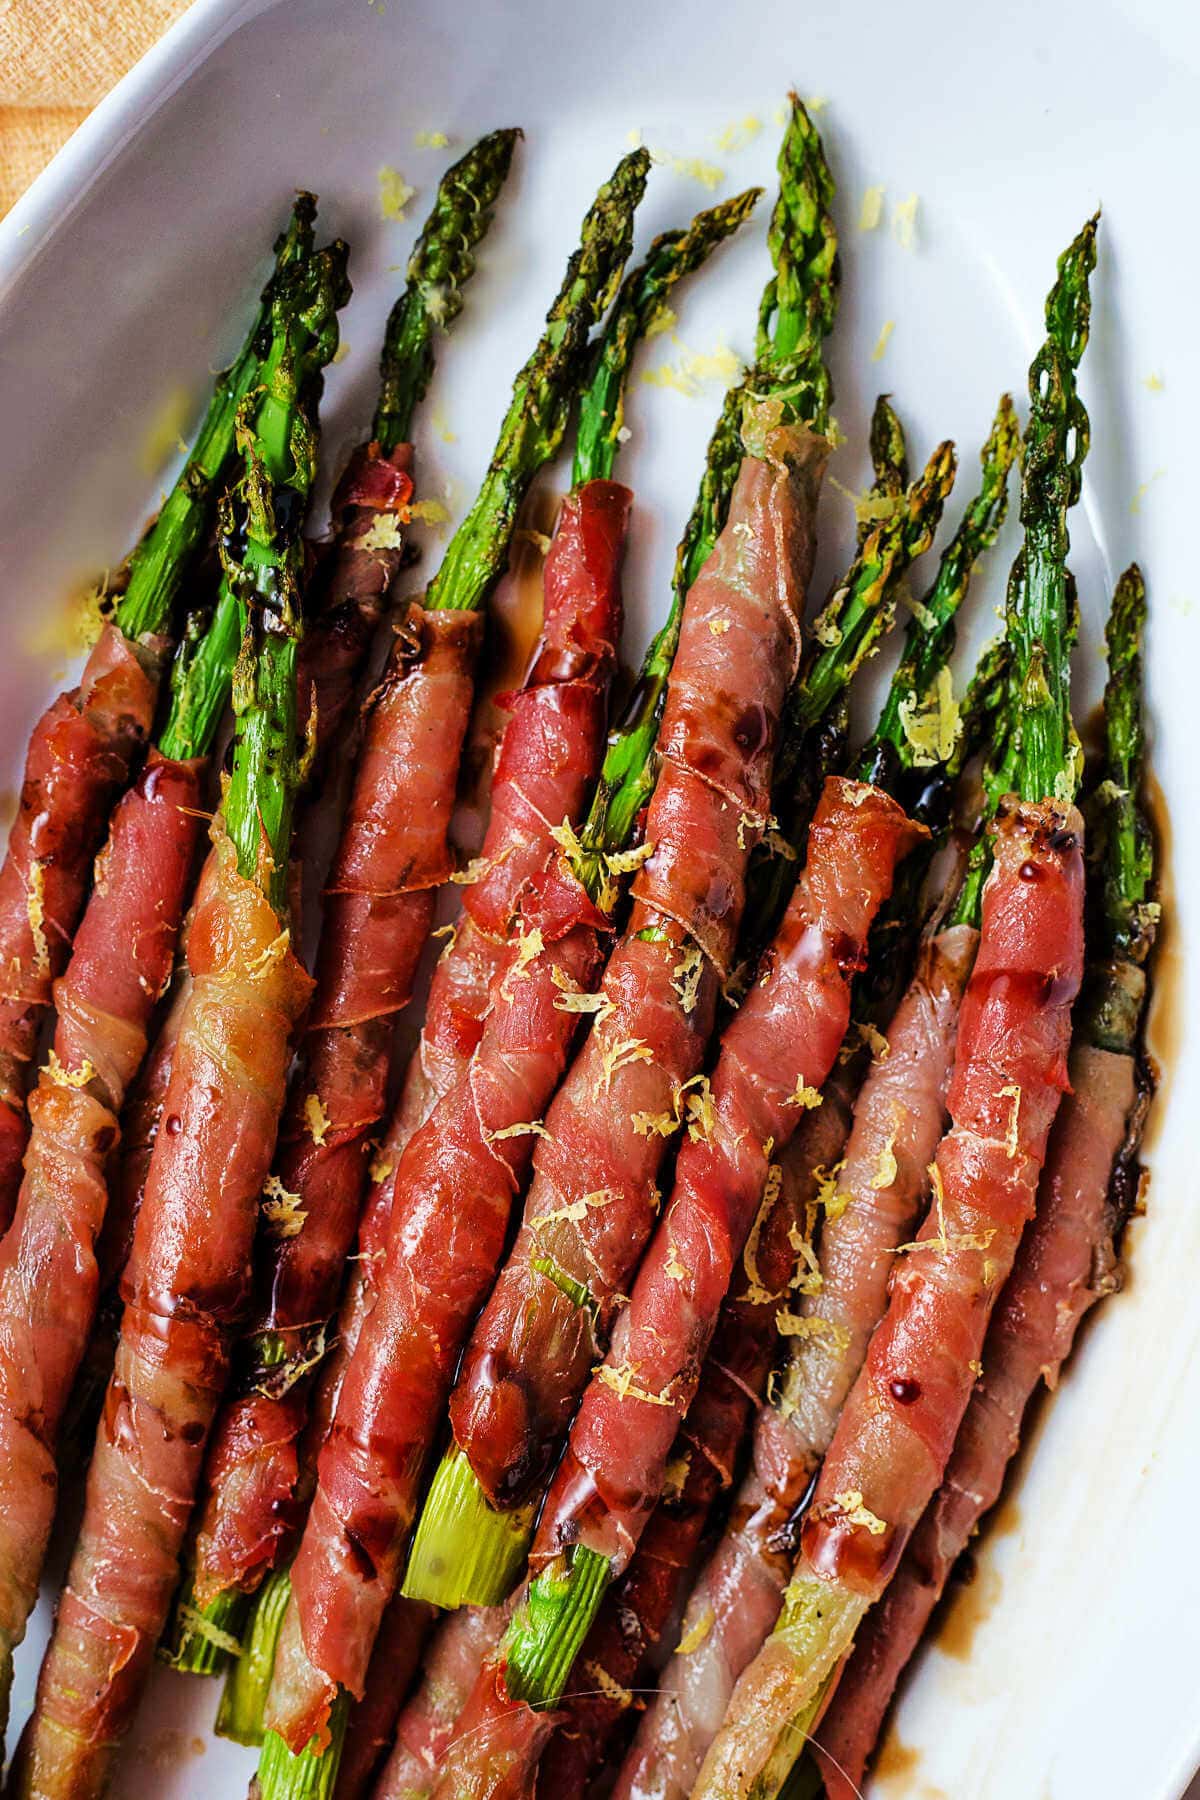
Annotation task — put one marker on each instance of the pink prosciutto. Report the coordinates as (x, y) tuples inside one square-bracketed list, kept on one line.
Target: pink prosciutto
[(186, 1284), (121, 960), (77, 762)]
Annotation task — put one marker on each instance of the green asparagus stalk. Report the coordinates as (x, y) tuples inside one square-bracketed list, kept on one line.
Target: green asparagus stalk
[(162, 558), (932, 630), (542, 394), (1043, 757), (438, 270), (303, 328), (1123, 929), (641, 303)]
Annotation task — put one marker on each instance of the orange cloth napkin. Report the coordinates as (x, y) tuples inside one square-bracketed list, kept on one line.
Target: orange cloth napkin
[(57, 59)]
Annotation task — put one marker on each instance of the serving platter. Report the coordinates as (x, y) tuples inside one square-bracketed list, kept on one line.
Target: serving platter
[(1066, 1669)]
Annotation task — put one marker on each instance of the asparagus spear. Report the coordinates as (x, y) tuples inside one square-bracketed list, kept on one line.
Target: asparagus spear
[(438, 269), (761, 1739), (542, 394), (160, 562), (302, 321)]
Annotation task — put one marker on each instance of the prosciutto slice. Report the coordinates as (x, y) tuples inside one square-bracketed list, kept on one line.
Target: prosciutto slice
[(185, 1287), (77, 762), (121, 960)]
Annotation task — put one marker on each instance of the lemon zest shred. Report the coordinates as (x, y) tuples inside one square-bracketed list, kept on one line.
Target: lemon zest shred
[(528, 1128), (394, 194), (870, 213), (608, 1684), (803, 1095), (1012, 1091), (282, 1209), (574, 1210), (383, 533), (856, 1513), (757, 1294), (696, 1634), (35, 912), (68, 1078), (620, 1378), (685, 977), (316, 1118)]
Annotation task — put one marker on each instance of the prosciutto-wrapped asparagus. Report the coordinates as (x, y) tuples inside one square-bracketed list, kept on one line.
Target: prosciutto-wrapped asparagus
[(1069, 1256), (122, 959), (897, 1430), (189, 1270), (82, 747), (392, 855)]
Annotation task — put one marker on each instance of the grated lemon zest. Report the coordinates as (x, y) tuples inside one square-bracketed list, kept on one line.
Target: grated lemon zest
[(282, 1209), (673, 1267), (851, 1504), (685, 977), (35, 912), (1012, 1091), (529, 947), (575, 1000), (885, 1163), (803, 1095), (475, 870), (738, 133), (394, 194), (904, 222), (808, 1278), (931, 723), (701, 1114), (574, 1209), (756, 1293), (696, 1634), (694, 368), (431, 140), (529, 1128), (620, 1378), (381, 1167), (811, 1326), (645, 1124), (68, 1078), (881, 342), (621, 1055), (383, 533), (316, 1118), (870, 212), (718, 627), (608, 1684), (675, 1474)]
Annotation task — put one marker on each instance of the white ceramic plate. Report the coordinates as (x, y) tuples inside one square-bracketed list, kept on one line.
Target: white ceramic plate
[(1068, 1671)]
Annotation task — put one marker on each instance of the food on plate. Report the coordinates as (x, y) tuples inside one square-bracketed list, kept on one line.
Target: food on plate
[(606, 1394)]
